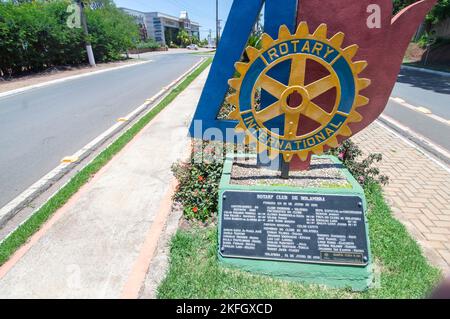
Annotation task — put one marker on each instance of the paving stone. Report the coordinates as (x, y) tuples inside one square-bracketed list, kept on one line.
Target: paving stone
[(418, 191)]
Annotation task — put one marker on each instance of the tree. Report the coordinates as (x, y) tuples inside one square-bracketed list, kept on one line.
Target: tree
[(34, 35), (440, 12), (184, 38), (400, 4), (112, 32), (204, 43)]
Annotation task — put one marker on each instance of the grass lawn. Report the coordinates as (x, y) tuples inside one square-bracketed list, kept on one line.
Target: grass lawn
[(29, 227), (195, 272)]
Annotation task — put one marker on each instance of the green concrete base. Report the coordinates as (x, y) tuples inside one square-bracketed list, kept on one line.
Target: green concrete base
[(357, 278)]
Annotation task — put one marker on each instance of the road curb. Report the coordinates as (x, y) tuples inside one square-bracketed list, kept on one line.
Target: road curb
[(25, 198), (412, 68), (435, 152)]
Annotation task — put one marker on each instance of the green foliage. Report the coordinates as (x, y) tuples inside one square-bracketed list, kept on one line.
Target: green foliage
[(198, 184), (148, 44), (195, 40), (423, 40), (173, 45), (35, 35), (254, 40), (184, 38), (400, 4), (111, 32), (199, 178), (203, 43), (363, 170), (440, 12)]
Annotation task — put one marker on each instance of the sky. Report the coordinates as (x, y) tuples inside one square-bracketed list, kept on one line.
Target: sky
[(201, 11)]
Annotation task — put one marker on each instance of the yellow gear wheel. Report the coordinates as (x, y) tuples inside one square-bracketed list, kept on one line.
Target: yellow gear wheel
[(293, 101)]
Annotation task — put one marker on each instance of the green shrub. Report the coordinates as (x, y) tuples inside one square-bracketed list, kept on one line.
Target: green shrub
[(148, 44), (198, 186), (35, 35), (199, 178), (112, 32), (363, 170)]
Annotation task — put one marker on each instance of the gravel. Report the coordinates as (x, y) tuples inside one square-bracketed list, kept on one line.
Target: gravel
[(322, 173)]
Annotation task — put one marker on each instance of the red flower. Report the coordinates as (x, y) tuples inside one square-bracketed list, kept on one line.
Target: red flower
[(195, 210), (201, 178)]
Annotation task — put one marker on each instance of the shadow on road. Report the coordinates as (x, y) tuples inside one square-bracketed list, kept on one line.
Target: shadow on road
[(426, 81)]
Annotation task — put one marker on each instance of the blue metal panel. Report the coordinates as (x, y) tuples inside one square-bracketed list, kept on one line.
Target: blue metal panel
[(238, 28), (277, 13), (239, 25)]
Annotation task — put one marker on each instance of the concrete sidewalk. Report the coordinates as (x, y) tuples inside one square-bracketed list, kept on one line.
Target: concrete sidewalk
[(93, 246)]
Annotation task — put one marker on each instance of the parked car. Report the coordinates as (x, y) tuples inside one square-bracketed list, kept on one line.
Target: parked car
[(192, 47)]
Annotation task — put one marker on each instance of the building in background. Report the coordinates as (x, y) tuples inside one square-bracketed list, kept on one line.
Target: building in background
[(164, 28), (139, 18)]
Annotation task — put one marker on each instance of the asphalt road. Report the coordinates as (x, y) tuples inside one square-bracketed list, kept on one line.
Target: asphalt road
[(41, 126), (423, 90)]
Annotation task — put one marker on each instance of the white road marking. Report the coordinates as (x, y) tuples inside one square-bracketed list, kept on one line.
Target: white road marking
[(424, 110), (420, 109), (68, 78), (417, 136)]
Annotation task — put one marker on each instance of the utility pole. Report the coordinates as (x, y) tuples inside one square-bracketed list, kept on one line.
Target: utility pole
[(89, 51), (210, 38), (217, 24)]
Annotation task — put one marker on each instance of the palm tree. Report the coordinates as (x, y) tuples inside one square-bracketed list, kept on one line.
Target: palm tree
[(184, 38)]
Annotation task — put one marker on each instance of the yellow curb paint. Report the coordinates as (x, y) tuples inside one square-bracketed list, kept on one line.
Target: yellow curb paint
[(70, 159), (122, 119), (423, 110), (140, 268)]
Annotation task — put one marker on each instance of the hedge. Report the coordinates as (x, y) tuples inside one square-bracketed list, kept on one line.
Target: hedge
[(35, 36)]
